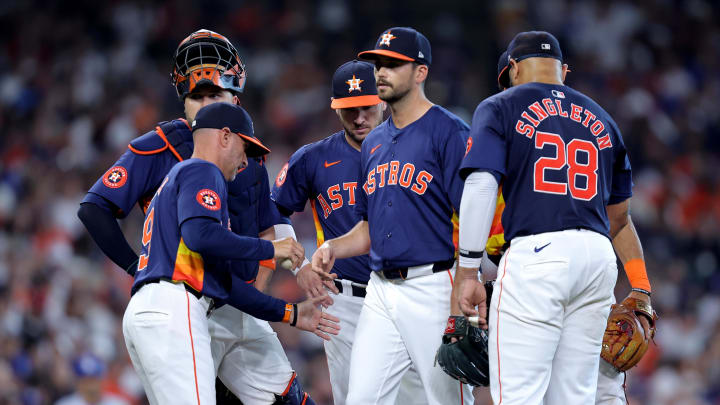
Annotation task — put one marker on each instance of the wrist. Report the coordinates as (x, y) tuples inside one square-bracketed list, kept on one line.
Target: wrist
[(294, 315), (295, 271), (637, 274), (288, 313)]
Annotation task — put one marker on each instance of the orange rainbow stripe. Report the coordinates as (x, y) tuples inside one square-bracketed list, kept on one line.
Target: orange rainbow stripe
[(318, 226), (189, 267)]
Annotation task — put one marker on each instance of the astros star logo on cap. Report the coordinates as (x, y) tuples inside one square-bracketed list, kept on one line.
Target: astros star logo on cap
[(354, 84), (386, 38)]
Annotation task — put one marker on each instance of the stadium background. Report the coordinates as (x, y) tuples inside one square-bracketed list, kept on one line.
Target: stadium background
[(78, 80)]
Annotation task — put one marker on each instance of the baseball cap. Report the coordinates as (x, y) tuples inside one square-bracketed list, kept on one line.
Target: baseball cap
[(88, 365), (353, 85), (503, 77), (221, 115), (402, 43), (534, 44)]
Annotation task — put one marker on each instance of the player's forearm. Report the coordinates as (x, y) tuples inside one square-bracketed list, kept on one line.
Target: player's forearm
[(207, 237), (354, 243), (627, 245), (105, 231), (477, 209), (287, 231)]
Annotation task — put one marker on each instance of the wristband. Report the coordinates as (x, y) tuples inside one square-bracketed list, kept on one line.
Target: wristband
[(295, 315), (296, 270), (640, 290), (269, 263), (470, 259), (288, 311), (637, 275)]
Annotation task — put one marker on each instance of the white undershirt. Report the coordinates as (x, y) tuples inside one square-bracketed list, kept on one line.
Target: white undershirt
[(477, 209)]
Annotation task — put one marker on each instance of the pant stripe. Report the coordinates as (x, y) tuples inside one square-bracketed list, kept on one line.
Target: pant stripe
[(497, 325), (462, 400), (192, 347), (451, 279)]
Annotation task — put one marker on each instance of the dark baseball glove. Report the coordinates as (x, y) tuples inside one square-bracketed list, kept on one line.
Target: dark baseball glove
[(624, 342), (466, 359)]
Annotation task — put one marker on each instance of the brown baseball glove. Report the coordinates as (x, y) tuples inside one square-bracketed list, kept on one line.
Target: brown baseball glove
[(625, 341)]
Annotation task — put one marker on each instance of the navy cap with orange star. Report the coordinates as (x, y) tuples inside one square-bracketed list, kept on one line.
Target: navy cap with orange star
[(402, 43), (353, 85)]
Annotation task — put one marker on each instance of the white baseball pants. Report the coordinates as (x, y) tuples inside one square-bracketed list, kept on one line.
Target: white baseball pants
[(547, 318), (338, 350), (248, 356), (166, 335), (401, 325)]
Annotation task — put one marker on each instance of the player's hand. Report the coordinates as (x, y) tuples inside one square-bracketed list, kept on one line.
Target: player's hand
[(290, 249), (312, 285), (311, 318), (472, 296), (322, 262), (643, 319)]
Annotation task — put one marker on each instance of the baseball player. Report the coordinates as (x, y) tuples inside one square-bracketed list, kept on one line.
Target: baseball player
[(184, 267), (566, 183), (410, 188), (248, 357), (325, 172), (611, 383)]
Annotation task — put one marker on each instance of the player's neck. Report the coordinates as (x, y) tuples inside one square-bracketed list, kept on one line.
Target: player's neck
[(349, 139), (208, 156), (410, 108)]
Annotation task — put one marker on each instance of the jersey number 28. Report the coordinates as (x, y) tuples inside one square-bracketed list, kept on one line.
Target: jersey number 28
[(566, 155)]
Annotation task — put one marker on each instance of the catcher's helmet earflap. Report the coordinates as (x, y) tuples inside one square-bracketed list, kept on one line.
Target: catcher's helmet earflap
[(206, 57)]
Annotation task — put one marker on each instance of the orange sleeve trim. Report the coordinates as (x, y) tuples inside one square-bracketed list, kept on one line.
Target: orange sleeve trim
[(637, 274), (288, 312), (151, 152), (269, 263), (161, 134)]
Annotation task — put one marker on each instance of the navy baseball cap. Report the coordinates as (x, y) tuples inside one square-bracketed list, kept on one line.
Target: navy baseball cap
[(353, 85), (534, 44), (402, 43), (221, 115), (503, 67)]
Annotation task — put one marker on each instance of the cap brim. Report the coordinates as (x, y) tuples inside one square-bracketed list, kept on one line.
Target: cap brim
[(351, 102), (254, 147), (372, 55)]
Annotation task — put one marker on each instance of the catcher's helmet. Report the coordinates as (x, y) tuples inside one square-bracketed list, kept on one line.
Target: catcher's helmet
[(206, 57)]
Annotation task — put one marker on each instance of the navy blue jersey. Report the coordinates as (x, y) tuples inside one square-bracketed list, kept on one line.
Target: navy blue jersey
[(193, 188), (135, 177), (325, 172), (561, 155), (411, 188)]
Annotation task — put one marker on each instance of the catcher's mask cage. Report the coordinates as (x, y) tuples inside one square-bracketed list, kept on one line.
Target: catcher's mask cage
[(206, 57)]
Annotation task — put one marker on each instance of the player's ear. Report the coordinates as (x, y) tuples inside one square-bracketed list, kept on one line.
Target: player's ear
[(225, 137), (565, 69), (421, 73), (236, 100), (513, 71)]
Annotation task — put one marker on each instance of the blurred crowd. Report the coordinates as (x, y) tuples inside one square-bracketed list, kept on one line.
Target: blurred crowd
[(79, 80)]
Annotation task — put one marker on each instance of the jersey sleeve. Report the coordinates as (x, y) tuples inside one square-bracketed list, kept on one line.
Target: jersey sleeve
[(361, 197), (123, 184), (452, 155), (621, 188), (291, 189), (201, 193), (486, 146), (268, 214)]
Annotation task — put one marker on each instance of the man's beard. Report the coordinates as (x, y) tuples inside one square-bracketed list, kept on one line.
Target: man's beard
[(394, 96)]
